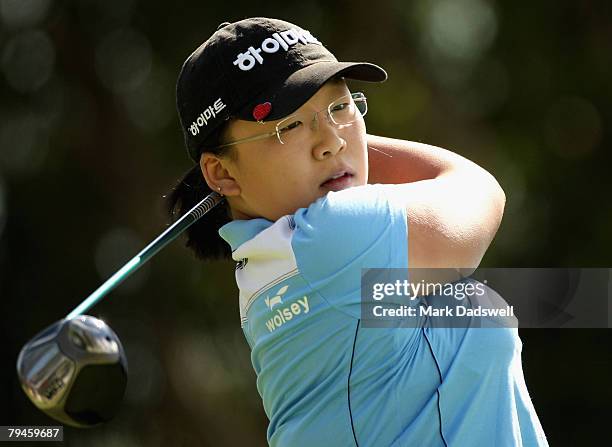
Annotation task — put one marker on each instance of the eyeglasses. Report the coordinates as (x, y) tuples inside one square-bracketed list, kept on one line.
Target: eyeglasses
[(341, 112)]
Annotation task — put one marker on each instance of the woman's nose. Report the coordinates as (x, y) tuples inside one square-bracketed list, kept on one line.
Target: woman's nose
[(327, 142)]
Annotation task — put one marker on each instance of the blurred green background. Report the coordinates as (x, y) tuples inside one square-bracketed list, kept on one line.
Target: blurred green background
[(90, 143)]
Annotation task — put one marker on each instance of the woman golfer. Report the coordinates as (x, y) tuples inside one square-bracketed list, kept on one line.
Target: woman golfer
[(310, 199)]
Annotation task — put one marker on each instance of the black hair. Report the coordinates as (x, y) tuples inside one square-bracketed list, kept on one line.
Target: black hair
[(202, 237)]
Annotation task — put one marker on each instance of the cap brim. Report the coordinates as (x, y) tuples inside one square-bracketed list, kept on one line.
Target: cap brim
[(289, 94)]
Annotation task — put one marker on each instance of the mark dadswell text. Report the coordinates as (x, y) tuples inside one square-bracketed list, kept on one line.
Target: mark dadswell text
[(446, 311)]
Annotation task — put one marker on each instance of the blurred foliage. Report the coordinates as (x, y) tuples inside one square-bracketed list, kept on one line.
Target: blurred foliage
[(90, 143)]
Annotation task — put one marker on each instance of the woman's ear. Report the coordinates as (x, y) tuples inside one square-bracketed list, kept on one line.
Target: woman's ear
[(216, 172)]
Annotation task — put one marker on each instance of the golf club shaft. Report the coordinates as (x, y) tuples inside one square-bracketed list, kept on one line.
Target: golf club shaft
[(148, 252)]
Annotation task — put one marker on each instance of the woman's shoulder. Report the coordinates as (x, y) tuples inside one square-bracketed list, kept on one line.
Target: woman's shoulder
[(343, 231), (351, 219), (357, 200)]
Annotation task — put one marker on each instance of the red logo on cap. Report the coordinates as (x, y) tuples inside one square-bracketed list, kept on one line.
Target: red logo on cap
[(261, 111)]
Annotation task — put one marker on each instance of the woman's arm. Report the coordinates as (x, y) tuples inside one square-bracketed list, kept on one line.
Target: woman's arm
[(454, 206)]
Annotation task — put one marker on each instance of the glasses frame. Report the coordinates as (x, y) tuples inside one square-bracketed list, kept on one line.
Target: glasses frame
[(357, 96)]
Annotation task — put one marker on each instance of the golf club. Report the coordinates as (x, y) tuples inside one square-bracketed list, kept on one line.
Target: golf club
[(76, 370)]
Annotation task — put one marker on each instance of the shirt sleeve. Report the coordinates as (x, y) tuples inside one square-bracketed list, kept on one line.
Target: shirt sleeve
[(344, 232)]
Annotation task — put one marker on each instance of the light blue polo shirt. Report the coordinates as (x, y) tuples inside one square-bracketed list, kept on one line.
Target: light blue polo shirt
[(324, 379)]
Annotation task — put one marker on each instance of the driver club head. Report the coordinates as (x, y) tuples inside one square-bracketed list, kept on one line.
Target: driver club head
[(75, 371)]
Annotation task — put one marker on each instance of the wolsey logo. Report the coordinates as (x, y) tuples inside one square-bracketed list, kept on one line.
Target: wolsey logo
[(278, 299), (286, 313), (245, 61)]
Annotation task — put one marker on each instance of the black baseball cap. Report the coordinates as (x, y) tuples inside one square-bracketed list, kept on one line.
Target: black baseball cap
[(255, 69)]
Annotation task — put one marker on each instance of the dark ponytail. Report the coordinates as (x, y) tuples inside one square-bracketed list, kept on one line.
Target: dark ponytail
[(202, 237)]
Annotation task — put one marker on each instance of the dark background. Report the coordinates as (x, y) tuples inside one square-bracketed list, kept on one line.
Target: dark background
[(90, 143)]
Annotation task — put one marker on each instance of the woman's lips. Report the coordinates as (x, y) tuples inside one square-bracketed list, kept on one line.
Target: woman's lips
[(339, 183)]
